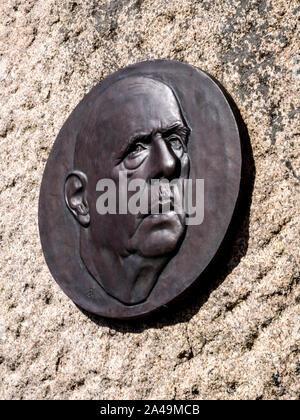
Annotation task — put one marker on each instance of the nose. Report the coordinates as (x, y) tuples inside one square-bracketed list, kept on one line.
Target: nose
[(164, 162)]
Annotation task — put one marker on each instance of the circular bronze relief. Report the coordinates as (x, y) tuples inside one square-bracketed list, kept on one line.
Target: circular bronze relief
[(141, 130)]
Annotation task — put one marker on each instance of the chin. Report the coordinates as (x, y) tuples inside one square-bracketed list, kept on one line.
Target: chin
[(163, 248), (161, 236)]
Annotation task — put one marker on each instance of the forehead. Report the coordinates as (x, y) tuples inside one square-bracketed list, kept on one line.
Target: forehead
[(135, 106)]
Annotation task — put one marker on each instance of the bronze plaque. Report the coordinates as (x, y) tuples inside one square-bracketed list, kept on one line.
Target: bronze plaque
[(140, 188)]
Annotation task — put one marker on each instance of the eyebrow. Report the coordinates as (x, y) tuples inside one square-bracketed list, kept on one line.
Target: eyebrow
[(176, 128)]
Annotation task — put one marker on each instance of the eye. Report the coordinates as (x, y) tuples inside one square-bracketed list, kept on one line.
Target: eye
[(175, 142), (135, 156), (135, 150)]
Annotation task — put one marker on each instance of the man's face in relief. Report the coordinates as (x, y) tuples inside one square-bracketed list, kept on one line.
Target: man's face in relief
[(146, 139), (138, 132)]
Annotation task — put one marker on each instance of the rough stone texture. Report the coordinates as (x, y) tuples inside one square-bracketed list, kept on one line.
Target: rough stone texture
[(240, 340)]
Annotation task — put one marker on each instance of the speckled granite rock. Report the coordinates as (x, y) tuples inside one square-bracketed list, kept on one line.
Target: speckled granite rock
[(240, 340)]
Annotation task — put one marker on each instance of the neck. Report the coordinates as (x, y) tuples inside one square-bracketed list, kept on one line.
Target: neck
[(128, 279)]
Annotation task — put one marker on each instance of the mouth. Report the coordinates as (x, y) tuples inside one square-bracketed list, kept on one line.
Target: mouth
[(162, 218), (158, 209)]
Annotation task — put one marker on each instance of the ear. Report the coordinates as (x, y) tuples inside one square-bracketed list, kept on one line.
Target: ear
[(75, 197)]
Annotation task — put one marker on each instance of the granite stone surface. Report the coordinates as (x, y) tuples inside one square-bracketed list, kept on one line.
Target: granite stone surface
[(238, 336)]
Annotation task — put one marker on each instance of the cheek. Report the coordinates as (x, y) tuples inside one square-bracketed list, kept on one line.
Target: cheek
[(92, 196)]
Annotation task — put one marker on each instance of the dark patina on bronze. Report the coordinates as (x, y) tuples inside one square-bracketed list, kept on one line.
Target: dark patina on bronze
[(124, 265)]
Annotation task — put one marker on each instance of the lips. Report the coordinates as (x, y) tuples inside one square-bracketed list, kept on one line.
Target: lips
[(161, 203), (160, 207)]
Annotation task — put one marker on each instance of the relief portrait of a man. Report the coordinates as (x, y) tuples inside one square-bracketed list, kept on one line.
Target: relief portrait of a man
[(155, 121)]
